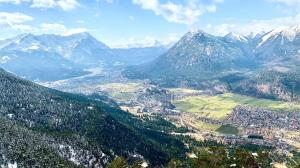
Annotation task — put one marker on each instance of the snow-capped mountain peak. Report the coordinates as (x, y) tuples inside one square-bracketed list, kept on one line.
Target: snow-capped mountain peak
[(195, 31), (286, 33), (253, 35), (236, 37)]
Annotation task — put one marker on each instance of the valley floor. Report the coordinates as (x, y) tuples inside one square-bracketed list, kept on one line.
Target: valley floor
[(227, 118)]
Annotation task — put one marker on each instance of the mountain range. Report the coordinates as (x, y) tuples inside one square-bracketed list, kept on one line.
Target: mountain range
[(203, 60), (198, 59), (61, 57)]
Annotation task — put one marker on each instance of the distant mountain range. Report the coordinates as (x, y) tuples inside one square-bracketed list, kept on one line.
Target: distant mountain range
[(203, 60), (198, 59), (54, 57)]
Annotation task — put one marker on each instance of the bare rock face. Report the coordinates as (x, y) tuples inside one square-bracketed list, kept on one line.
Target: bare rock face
[(155, 99)]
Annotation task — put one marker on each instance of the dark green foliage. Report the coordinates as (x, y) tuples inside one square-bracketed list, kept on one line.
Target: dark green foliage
[(157, 122), (254, 148), (228, 129), (90, 127), (175, 163), (244, 159), (255, 137), (27, 148), (281, 86), (293, 162), (215, 158), (220, 157), (121, 162)]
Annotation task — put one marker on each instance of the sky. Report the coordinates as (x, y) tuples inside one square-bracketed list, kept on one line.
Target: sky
[(120, 23)]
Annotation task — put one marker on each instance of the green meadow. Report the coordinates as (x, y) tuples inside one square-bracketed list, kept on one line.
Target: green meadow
[(219, 106)]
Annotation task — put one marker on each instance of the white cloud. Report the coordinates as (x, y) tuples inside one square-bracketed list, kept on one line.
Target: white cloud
[(14, 1), (43, 4), (46, 27), (61, 29), (74, 31), (255, 26), (12, 18), (65, 5), (15, 21), (287, 2), (148, 41), (22, 27), (68, 4), (134, 42), (184, 13), (170, 39), (19, 22), (218, 1), (211, 8)]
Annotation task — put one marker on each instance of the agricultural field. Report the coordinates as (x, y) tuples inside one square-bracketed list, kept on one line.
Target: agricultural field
[(121, 91), (219, 106), (184, 91), (292, 138), (228, 129), (191, 121)]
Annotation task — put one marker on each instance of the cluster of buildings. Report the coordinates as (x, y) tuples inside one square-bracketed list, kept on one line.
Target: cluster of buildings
[(238, 140), (259, 127), (251, 117)]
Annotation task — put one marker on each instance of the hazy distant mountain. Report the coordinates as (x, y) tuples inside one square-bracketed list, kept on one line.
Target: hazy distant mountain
[(146, 44), (41, 127), (54, 57), (233, 37), (136, 56)]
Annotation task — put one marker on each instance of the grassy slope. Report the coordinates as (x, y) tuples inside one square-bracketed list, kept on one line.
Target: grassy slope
[(218, 107), (228, 129), (121, 91)]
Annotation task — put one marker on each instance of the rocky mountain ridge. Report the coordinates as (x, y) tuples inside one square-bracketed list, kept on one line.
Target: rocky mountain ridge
[(62, 57)]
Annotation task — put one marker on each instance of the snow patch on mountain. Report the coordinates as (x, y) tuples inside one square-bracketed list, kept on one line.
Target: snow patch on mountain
[(236, 37), (4, 59), (286, 33)]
